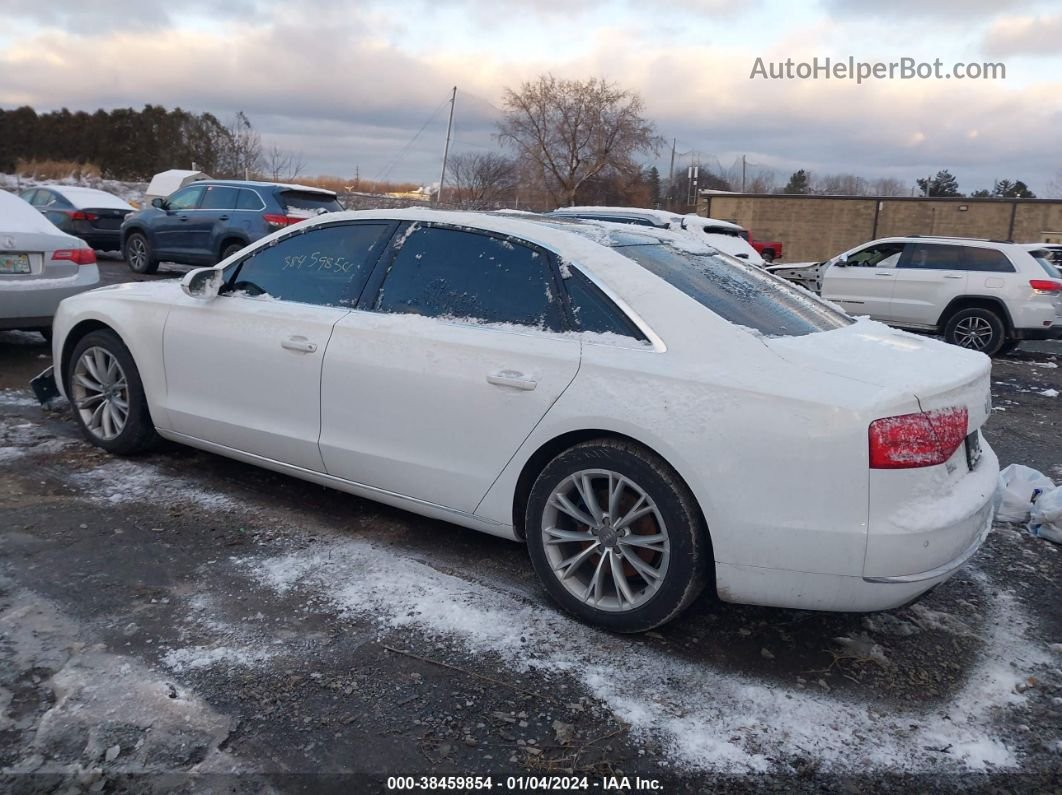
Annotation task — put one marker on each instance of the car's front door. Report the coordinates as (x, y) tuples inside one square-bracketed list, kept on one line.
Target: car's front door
[(209, 222), (172, 227), (862, 282), (430, 387), (244, 370), (928, 277)]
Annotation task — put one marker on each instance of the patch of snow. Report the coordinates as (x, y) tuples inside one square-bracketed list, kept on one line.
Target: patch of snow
[(1050, 393), (11, 397), (24, 285), (181, 660), (119, 482), (706, 719)]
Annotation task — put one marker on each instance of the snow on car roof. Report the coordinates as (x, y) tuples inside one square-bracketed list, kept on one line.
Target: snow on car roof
[(257, 183), (89, 197), (662, 215), (17, 216)]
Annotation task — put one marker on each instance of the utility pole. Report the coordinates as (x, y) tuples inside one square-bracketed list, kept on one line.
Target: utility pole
[(743, 164), (446, 149), (671, 178)]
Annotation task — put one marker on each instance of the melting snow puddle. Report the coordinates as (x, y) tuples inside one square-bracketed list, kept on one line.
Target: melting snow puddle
[(13, 397), (708, 720), (118, 482)]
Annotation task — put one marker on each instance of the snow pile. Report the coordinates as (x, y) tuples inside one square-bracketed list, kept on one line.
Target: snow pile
[(705, 718)]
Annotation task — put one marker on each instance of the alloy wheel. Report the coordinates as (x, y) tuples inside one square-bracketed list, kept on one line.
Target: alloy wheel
[(974, 332), (137, 253), (101, 393), (605, 540)]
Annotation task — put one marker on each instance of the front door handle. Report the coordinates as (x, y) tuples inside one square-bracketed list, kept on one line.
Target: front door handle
[(223, 218), (882, 273), (512, 378), (182, 217), (953, 276), (300, 344)]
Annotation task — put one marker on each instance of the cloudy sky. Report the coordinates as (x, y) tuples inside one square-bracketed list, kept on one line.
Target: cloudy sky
[(350, 84)]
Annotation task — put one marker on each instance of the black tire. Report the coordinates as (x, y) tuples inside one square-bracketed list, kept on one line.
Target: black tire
[(138, 254), (767, 255), (978, 329), (138, 433), (685, 564), (1008, 346), (229, 249)]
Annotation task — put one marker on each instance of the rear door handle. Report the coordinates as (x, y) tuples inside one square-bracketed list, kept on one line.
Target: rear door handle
[(223, 218), (182, 217), (512, 378), (953, 276), (882, 273), (300, 344)]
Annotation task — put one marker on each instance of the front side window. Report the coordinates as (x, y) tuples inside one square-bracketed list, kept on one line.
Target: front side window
[(326, 266), (186, 199), (451, 273), (737, 292), (219, 197), (882, 255), (933, 256)]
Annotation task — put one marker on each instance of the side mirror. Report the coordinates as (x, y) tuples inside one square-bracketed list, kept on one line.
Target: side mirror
[(841, 261), (158, 203), (203, 283)]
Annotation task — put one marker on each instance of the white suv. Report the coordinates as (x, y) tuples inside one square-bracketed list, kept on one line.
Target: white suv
[(981, 294)]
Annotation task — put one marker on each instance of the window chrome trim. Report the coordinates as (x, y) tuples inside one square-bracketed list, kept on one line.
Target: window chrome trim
[(654, 339)]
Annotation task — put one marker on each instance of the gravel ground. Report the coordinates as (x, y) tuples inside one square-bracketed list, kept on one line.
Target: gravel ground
[(184, 622)]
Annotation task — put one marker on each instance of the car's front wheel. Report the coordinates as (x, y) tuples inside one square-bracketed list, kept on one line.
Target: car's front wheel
[(616, 537), (105, 389), (138, 254), (978, 329)]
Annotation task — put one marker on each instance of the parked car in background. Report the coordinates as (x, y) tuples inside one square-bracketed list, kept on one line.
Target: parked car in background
[(39, 266), (721, 235), (1053, 250), (985, 295), (209, 220), (770, 250), (93, 215), (507, 375)]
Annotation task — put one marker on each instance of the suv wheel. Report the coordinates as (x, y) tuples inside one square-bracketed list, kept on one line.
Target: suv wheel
[(767, 255), (977, 329), (616, 537), (138, 254), (230, 249)]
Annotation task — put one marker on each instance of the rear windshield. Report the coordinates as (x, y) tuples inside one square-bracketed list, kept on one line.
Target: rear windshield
[(740, 293), (310, 203)]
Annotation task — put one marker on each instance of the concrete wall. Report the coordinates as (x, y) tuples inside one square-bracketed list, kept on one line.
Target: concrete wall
[(817, 227)]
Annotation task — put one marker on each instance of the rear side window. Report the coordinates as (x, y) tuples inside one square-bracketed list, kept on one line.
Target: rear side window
[(740, 293), (308, 203), (219, 197), (326, 266), (986, 259), (593, 311), (932, 256), (451, 273), (1043, 258), (249, 200)]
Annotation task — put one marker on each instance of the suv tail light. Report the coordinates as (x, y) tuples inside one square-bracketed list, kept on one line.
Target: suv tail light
[(280, 221), (1045, 286), (80, 215), (923, 439), (79, 256)]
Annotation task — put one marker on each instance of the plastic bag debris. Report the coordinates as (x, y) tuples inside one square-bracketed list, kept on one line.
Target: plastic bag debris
[(1019, 485), (1045, 520)]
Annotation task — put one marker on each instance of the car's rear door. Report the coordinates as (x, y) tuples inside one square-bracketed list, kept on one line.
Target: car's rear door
[(244, 370), (452, 358), (928, 277)]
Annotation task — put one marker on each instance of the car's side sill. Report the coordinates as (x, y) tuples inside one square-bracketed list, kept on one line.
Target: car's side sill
[(412, 504)]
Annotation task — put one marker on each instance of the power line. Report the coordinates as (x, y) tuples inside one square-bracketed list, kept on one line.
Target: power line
[(386, 170)]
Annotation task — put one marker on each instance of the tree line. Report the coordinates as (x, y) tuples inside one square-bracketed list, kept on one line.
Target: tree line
[(128, 144)]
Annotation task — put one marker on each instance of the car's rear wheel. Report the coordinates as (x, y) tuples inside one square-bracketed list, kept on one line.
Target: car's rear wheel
[(107, 394), (976, 328), (138, 254), (768, 256), (616, 537), (229, 249)]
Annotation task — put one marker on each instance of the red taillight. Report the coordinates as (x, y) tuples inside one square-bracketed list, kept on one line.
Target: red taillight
[(79, 215), (1045, 286), (79, 256), (280, 221), (917, 440)]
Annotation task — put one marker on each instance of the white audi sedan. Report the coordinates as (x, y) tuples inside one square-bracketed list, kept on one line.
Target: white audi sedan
[(648, 415)]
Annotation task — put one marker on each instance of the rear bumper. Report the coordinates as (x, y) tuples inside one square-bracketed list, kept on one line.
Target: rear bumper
[(34, 308), (103, 241)]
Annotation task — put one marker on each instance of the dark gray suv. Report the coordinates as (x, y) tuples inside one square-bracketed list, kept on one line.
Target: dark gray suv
[(205, 222)]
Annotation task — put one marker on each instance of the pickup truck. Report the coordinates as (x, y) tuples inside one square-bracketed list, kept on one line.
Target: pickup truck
[(770, 250)]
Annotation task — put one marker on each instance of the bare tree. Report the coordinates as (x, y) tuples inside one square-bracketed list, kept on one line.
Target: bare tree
[(241, 155), (282, 164), (1054, 187), (572, 130), (763, 181), (889, 186), (480, 181), (840, 185)]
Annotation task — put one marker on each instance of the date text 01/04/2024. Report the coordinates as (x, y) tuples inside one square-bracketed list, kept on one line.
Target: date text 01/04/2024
[(524, 783)]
